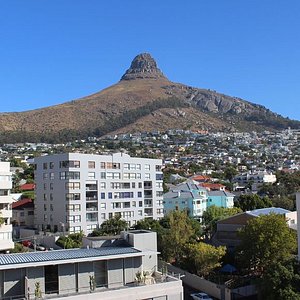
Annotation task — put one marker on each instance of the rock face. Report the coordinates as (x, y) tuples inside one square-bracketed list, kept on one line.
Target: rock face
[(143, 66)]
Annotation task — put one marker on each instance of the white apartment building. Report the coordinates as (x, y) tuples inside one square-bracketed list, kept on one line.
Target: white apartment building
[(77, 191), (6, 200)]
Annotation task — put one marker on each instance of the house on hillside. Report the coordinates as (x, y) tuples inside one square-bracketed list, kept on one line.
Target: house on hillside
[(195, 199), (23, 212)]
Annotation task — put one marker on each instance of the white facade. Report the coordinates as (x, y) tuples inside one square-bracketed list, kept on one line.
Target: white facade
[(6, 200), (77, 192)]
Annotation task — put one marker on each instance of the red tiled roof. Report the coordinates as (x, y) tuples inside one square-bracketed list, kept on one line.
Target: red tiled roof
[(201, 178), (23, 202), (213, 186), (27, 187)]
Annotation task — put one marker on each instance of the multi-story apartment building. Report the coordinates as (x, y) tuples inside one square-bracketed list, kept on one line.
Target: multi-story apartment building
[(77, 192), (6, 200)]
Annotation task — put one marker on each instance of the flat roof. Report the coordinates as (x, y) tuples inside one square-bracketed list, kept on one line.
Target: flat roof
[(65, 256)]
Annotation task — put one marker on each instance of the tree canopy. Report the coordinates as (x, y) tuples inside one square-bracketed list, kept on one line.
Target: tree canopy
[(266, 240)]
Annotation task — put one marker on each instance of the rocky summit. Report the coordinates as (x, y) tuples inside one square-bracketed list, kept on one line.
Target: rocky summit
[(143, 66), (143, 100)]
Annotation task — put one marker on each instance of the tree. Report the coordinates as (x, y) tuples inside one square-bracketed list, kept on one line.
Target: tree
[(112, 226), (281, 281), (265, 240), (202, 258), (177, 236), (230, 172), (215, 213), (252, 201), (73, 240)]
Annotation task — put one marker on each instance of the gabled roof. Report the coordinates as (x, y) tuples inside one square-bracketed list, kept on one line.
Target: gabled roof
[(23, 203), (220, 193), (27, 187)]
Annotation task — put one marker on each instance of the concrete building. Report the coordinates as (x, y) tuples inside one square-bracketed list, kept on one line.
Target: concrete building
[(77, 192), (126, 269), (6, 200), (194, 198)]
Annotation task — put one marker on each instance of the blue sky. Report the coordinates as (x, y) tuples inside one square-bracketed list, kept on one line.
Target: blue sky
[(55, 51)]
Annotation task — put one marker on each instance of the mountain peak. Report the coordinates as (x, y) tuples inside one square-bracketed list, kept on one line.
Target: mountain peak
[(143, 66)]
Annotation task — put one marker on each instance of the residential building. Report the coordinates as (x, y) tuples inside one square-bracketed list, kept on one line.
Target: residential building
[(23, 212), (227, 229), (107, 272), (194, 198), (77, 192), (6, 200)]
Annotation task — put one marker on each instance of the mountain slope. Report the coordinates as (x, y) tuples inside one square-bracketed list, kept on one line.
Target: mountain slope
[(143, 100)]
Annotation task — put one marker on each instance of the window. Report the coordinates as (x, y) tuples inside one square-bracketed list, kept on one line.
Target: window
[(140, 212), (159, 193), (111, 165), (158, 168), (74, 219), (133, 185), (102, 185), (140, 185), (91, 175), (51, 185), (45, 166), (73, 207), (45, 175), (91, 165), (72, 185), (110, 195), (120, 195), (69, 164), (103, 216), (51, 165), (147, 175), (45, 186), (51, 197), (120, 185), (45, 207), (69, 175), (147, 167), (140, 203), (159, 176), (126, 205), (159, 185), (112, 175), (116, 205), (133, 203), (138, 167), (138, 175), (103, 175), (103, 205), (45, 217), (75, 229), (126, 167), (102, 165), (72, 196), (102, 195), (30, 213), (51, 176), (45, 197), (139, 194), (51, 207)]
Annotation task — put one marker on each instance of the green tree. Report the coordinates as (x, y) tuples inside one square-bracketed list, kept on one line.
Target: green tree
[(265, 240), (179, 234), (202, 258), (112, 226), (230, 172), (251, 202), (73, 240), (281, 280), (215, 213)]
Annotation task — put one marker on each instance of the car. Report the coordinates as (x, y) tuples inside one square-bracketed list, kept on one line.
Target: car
[(27, 243), (200, 296)]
